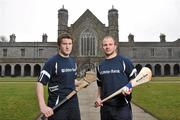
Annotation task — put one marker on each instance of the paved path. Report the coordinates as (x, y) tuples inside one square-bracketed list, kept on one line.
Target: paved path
[(88, 112)]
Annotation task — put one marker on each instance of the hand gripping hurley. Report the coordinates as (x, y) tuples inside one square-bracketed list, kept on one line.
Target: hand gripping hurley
[(144, 76), (89, 77)]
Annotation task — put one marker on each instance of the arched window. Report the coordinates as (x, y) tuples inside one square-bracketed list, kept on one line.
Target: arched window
[(88, 43)]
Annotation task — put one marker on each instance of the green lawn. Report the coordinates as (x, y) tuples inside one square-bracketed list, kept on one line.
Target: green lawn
[(18, 100), (160, 99), (165, 78), (18, 79)]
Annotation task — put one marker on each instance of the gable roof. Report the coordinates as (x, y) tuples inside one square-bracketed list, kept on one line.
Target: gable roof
[(87, 14)]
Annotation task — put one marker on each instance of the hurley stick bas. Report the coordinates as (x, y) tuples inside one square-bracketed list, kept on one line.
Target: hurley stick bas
[(84, 82), (144, 76)]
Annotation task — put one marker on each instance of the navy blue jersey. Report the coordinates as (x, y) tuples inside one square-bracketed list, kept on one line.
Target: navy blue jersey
[(60, 74), (113, 74)]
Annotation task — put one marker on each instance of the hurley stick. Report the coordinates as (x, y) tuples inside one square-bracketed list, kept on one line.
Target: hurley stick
[(84, 82), (144, 76)]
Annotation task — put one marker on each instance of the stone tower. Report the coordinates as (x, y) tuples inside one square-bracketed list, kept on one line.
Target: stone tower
[(62, 20), (113, 23)]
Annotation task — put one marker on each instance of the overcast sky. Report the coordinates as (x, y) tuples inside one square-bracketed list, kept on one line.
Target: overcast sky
[(145, 19)]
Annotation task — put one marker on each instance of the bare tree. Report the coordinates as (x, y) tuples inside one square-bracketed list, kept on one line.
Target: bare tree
[(3, 39)]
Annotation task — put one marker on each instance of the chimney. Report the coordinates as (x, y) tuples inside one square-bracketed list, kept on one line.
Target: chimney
[(44, 37), (162, 37), (131, 38), (13, 38)]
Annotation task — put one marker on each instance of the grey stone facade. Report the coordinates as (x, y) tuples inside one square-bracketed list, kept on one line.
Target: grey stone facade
[(27, 58)]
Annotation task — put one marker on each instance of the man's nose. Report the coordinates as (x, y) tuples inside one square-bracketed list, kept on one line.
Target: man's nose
[(67, 46)]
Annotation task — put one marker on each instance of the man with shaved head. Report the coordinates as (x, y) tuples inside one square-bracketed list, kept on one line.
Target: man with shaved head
[(113, 73)]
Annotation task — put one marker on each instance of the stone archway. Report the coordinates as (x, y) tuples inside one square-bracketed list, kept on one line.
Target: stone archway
[(0, 70), (158, 70), (138, 67), (17, 70), (37, 70), (167, 69), (86, 67), (176, 69), (27, 70), (149, 66), (7, 70)]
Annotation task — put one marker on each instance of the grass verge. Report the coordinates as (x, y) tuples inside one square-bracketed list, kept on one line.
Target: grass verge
[(160, 99), (18, 99)]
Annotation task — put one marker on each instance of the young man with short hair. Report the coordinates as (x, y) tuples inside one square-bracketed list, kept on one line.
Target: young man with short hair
[(59, 72)]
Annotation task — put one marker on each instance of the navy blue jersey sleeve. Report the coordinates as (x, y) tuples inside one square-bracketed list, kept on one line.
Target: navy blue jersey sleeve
[(76, 74), (130, 70), (99, 83), (46, 73)]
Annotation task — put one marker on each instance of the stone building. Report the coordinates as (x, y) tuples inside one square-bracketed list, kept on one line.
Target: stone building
[(27, 58)]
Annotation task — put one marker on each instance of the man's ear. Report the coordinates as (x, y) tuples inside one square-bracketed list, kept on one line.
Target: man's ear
[(115, 46)]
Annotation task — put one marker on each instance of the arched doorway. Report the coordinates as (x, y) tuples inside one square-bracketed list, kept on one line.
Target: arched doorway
[(27, 70), (138, 67), (86, 67), (37, 70), (17, 70), (149, 66), (158, 70), (167, 69), (7, 70), (0, 70), (176, 69)]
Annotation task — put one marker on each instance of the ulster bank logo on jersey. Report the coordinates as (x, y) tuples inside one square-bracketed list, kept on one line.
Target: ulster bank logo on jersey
[(109, 71), (68, 70)]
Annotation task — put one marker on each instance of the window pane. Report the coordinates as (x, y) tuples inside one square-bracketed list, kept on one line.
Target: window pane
[(88, 43)]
